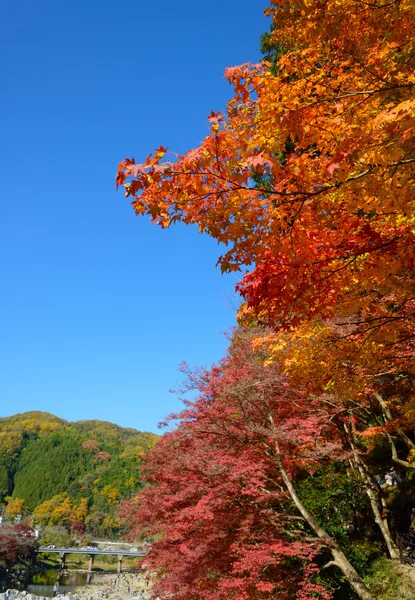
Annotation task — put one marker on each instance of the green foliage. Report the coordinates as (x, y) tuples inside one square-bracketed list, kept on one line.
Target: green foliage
[(362, 553), (6, 477), (390, 581), (48, 466), (336, 498), (57, 535), (271, 50)]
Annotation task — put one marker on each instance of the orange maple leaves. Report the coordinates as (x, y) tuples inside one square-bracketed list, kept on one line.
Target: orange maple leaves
[(308, 178)]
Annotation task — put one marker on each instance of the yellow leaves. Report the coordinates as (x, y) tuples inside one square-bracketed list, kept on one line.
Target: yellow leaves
[(322, 357), (112, 522), (11, 442), (246, 315), (411, 456), (61, 510), (277, 347), (79, 511), (329, 387), (111, 493), (15, 507), (48, 427), (394, 154), (43, 512)]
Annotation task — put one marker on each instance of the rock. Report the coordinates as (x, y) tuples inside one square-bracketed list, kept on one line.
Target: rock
[(20, 595)]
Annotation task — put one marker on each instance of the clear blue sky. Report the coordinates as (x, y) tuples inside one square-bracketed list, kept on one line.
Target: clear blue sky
[(99, 307)]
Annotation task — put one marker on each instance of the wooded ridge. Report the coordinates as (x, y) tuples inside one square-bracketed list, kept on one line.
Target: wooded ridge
[(69, 474)]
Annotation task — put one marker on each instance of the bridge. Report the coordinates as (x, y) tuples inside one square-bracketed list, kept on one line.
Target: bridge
[(91, 552)]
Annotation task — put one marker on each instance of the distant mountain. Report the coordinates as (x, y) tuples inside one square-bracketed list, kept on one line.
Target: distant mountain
[(62, 470)]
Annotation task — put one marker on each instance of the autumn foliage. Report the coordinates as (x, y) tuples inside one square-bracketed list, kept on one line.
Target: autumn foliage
[(307, 178), (222, 500), (16, 542), (216, 500)]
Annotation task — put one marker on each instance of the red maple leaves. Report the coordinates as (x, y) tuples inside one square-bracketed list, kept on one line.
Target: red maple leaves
[(218, 501)]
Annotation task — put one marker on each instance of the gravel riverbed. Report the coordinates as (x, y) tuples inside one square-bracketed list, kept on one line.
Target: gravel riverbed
[(127, 586)]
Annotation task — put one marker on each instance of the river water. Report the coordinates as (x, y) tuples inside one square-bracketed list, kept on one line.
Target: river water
[(42, 583)]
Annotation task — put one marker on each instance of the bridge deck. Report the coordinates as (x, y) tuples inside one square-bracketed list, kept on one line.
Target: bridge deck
[(90, 551)]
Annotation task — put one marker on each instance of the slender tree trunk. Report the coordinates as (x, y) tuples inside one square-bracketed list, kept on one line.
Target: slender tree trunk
[(339, 558), (387, 415), (375, 499), (395, 458)]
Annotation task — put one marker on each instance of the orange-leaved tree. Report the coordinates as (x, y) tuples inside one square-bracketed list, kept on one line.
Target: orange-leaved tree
[(308, 177)]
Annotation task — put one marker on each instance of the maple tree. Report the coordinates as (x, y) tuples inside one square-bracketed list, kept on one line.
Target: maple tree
[(330, 357), (102, 457), (16, 541), (308, 177), (78, 529), (222, 501)]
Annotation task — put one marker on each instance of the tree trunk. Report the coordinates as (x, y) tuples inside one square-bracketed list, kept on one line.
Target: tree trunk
[(374, 498), (352, 576), (398, 461), (387, 415), (339, 558)]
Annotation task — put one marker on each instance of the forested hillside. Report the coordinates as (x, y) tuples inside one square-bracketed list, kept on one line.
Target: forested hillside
[(70, 474)]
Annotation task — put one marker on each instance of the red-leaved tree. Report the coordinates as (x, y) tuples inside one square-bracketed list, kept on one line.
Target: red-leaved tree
[(221, 498), (16, 542)]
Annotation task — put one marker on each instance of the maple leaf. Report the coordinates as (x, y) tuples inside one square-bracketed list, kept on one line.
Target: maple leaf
[(136, 170), (333, 167)]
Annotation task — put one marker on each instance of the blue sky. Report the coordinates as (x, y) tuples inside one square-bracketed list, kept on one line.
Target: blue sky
[(98, 308)]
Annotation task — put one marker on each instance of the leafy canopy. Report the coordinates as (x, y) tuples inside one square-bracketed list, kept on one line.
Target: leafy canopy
[(308, 176)]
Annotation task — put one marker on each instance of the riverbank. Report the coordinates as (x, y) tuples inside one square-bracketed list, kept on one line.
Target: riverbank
[(23, 595), (112, 587)]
